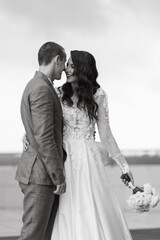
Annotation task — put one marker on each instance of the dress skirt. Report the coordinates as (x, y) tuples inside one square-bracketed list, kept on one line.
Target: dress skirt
[(89, 209)]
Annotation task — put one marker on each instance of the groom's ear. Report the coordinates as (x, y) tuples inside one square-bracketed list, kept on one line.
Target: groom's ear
[(57, 59)]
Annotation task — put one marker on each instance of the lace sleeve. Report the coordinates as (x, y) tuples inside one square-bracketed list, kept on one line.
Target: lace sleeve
[(105, 132)]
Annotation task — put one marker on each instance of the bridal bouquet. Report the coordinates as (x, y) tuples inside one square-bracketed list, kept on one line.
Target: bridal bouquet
[(143, 201), (143, 198)]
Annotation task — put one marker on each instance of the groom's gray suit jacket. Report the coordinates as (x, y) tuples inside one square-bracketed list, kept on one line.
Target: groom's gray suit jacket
[(42, 118)]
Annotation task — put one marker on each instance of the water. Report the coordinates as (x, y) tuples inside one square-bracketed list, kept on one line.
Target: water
[(11, 198)]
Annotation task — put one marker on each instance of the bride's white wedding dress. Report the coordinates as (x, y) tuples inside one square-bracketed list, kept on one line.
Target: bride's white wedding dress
[(89, 209)]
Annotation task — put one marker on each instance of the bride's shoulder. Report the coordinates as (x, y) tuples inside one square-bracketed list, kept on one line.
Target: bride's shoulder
[(100, 92), (59, 91)]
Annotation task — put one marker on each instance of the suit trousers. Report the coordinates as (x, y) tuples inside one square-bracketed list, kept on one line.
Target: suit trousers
[(40, 206)]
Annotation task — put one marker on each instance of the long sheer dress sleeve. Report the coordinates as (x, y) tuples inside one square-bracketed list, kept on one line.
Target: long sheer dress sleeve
[(105, 132)]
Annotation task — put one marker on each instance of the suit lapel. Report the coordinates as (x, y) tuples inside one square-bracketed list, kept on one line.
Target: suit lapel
[(44, 77)]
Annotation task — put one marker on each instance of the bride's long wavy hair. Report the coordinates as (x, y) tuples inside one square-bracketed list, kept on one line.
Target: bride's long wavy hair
[(86, 72)]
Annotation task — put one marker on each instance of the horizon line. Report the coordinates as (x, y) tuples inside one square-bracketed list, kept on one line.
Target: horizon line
[(127, 151)]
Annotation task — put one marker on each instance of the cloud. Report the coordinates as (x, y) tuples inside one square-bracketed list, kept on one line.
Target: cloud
[(26, 25), (52, 16), (124, 37)]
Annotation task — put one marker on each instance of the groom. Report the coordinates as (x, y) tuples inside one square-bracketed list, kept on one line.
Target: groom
[(40, 170)]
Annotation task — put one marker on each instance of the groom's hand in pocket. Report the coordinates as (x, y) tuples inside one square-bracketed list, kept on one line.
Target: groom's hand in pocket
[(60, 189)]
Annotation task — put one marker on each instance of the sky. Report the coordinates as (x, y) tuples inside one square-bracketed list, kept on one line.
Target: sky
[(123, 36)]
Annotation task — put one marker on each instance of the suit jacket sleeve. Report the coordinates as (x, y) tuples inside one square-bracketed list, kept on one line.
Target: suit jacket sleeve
[(42, 112)]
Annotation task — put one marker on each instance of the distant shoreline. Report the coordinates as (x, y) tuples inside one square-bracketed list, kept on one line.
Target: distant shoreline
[(12, 159)]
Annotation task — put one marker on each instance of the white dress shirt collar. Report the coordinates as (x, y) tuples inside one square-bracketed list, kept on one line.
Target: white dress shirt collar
[(50, 81)]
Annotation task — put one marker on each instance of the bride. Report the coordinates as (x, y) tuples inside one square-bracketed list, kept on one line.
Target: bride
[(89, 209)]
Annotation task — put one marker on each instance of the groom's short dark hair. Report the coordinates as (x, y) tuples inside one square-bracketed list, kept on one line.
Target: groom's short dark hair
[(48, 51)]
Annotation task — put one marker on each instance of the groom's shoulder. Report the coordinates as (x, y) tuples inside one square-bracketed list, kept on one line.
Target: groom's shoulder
[(35, 83)]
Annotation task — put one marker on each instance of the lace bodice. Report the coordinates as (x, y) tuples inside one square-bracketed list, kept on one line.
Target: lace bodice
[(77, 126)]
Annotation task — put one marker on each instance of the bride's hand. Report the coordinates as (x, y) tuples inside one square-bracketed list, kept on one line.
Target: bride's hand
[(25, 143), (131, 176), (127, 177)]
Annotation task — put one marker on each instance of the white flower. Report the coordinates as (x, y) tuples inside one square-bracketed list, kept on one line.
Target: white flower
[(139, 202), (147, 199), (143, 201), (155, 200), (154, 191), (147, 188)]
